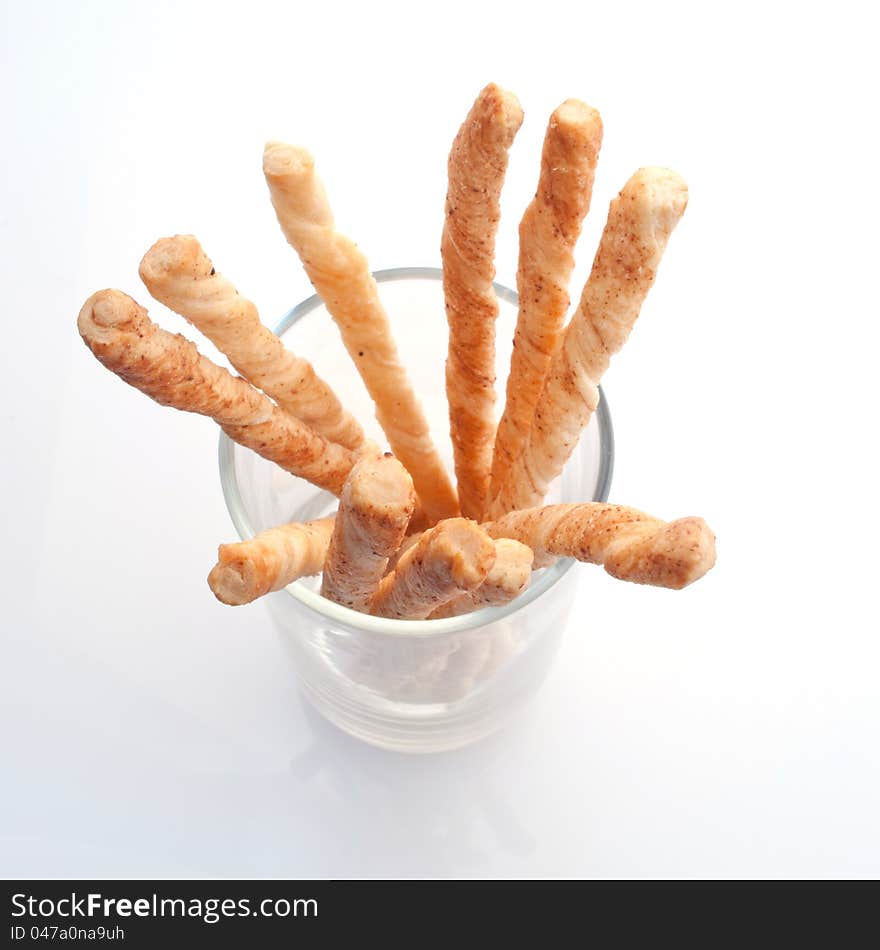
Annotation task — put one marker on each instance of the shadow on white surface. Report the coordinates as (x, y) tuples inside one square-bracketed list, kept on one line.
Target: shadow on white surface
[(447, 804), (107, 778)]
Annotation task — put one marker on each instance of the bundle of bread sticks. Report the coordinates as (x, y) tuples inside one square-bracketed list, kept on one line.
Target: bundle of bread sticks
[(407, 542)]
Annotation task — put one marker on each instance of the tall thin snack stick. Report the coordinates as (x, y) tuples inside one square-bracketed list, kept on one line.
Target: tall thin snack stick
[(449, 559), (179, 274), (374, 511), (476, 169), (169, 368), (548, 233), (507, 578), (631, 545), (341, 275), (640, 222), (273, 559)]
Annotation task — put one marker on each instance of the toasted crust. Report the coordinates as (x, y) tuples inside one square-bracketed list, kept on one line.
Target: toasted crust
[(449, 559), (169, 369), (179, 274), (507, 578), (376, 505), (341, 275), (548, 233), (640, 222), (476, 167), (270, 561), (631, 545)]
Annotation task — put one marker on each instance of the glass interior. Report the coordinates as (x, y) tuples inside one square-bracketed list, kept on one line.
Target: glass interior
[(260, 495)]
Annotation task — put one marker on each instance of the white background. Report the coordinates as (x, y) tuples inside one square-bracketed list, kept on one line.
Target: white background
[(730, 729)]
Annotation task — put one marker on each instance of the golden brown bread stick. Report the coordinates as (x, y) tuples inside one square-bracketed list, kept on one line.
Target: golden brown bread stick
[(634, 547), (179, 274), (270, 561), (476, 168), (548, 233), (375, 507), (640, 222), (631, 545), (507, 578), (341, 275), (168, 368), (449, 559), (275, 558)]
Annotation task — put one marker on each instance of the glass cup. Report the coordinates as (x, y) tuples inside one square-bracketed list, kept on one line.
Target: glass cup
[(410, 686)]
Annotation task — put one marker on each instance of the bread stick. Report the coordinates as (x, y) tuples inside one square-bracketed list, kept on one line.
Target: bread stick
[(631, 545), (449, 559), (476, 169), (341, 275), (168, 368), (179, 274), (640, 222), (548, 233), (270, 561), (374, 511), (507, 578)]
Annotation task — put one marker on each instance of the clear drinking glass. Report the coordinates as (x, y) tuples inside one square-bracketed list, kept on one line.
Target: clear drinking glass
[(411, 686)]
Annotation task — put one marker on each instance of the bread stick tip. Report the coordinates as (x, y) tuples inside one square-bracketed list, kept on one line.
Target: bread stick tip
[(680, 553), (695, 542), (466, 549), (106, 309), (502, 99), (575, 113), (228, 584), (665, 191), (179, 255), (279, 158), (381, 482), (504, 106)]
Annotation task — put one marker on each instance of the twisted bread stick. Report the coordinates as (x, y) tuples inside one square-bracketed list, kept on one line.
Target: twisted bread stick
[(374, 511), (476, 167), (548, 233), (632, 546), (507, 578), (270, 561), (169, 369), (178, 273), (340, 274), (449, 559), (639, 224)]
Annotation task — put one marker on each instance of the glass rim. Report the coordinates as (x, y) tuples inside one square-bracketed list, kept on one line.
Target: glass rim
[(424, 628)]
